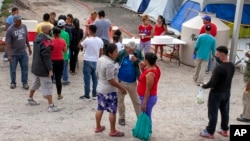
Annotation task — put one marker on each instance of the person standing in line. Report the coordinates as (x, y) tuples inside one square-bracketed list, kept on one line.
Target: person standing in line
[(145, 31), (64, 35), (148, 83), (9, 21), (205, 44), (160, 29), (107, 90), (16, 41), (93, 50), (69, 21), (59, 47), (46, 18), (129, 59), (42, 68), (245, 116), (77, 36), (219, 95), (117, 42), (89, 22), (213, 32), (103, 27), (52, 17)]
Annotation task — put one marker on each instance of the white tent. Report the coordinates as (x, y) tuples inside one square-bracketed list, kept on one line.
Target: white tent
[(133, 5), (166, 8)]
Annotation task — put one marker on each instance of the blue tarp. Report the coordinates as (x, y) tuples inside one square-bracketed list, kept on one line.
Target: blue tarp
[(143, 6), (184, 14), (230, 12), (223, 11)]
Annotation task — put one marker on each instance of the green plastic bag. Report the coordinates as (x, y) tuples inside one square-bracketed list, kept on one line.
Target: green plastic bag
[(143, 127)]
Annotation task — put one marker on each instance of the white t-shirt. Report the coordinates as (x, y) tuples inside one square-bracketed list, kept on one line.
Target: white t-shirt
[(92, 47), (119, 46), (106, 70)]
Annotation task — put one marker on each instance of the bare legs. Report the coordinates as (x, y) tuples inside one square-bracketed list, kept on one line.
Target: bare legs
[(161, 50), (112, 120)]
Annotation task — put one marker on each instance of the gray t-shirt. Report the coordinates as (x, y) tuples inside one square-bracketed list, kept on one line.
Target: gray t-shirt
[(106, 70), (16, 37), (103, 27)]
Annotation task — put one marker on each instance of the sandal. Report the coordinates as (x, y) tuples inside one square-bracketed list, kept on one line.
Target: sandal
[(116, 134), (100, 129)]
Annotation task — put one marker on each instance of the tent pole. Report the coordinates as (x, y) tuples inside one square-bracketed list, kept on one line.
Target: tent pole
[(236, 30)]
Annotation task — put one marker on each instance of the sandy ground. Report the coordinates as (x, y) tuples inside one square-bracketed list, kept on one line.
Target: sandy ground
[(176, 116)]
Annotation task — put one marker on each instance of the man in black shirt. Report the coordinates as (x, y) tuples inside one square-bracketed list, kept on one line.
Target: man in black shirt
[(219, 95)]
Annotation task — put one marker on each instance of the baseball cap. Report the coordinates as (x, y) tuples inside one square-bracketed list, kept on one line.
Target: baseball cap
[(17, 17), (208, 27), (206, 17), (61, 23)]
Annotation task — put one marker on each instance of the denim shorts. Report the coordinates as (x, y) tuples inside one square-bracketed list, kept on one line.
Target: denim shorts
[(107, 102)]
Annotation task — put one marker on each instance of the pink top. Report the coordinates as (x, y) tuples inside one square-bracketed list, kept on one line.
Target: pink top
[(89, 21), (57, 51)]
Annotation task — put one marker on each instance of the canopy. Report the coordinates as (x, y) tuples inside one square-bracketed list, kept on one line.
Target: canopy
[(166, 8), (224, 9)]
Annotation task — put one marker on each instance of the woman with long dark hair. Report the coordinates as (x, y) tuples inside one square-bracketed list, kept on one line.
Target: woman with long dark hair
[(160, 29), (77, 35)]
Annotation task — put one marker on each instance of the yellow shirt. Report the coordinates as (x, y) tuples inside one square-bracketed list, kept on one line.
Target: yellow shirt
[(39, 26)]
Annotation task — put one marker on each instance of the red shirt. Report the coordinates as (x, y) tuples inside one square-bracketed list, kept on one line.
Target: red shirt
[(159, 29), (145, 30), (141, 88), (58, 45), (213, 31)]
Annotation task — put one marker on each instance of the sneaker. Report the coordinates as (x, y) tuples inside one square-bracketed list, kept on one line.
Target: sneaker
[(223, 133), (85, 97), (5, 59), (66, 82), (26, 86), (12, 86), (53, 109), (94, 97), (32, 102), (122, 122), (205, 134), (60, 97)]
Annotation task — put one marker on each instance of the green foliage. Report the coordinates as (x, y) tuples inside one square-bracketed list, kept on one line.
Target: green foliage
[(5, 8)]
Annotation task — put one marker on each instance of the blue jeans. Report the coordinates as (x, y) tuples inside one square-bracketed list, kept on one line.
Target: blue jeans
[(65, 71), (150, 104), (89, 70), (23, 61)]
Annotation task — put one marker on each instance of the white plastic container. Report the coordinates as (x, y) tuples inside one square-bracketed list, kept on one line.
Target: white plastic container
[(191, 29)]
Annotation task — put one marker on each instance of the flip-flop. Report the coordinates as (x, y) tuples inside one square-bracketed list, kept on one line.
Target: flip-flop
[(117, 134), (100, 129)]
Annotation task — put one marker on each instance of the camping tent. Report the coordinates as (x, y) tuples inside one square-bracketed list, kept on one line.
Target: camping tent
[(133, 5), (137, 6), (166, 8), (224, 9)]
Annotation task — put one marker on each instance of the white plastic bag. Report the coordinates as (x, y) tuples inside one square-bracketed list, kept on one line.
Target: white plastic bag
[(200, 97)]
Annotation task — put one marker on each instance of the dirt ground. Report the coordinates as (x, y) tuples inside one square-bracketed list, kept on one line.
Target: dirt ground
[(176, 116)]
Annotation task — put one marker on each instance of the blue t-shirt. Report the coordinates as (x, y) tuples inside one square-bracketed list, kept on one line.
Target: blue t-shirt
[(10, 20), (127, 71)]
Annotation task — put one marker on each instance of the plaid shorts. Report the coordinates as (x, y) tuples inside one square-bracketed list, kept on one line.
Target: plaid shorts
[(107, 102)]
